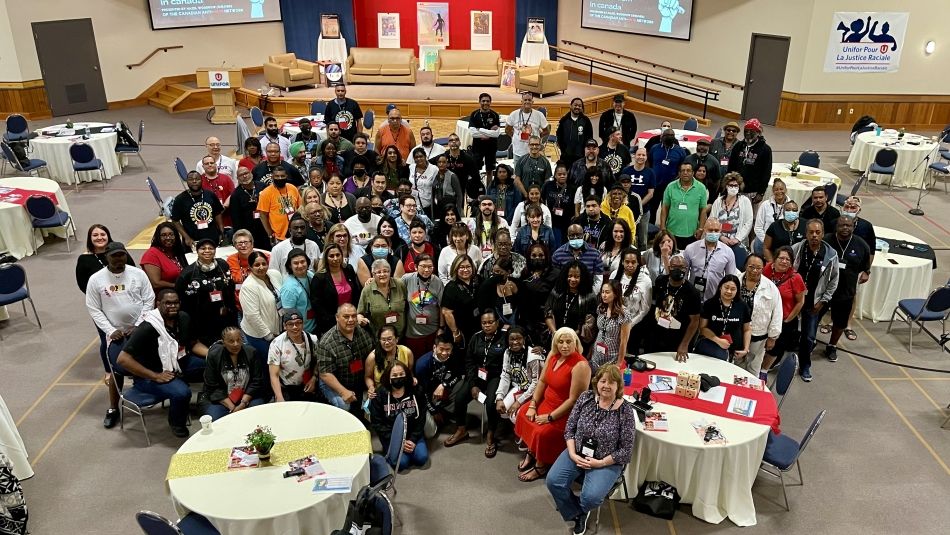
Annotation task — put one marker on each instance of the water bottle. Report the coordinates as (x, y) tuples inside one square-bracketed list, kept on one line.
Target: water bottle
[(877, 131), (627, 376)]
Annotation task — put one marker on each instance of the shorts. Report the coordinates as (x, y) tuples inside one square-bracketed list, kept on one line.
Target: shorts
[(840, 312)]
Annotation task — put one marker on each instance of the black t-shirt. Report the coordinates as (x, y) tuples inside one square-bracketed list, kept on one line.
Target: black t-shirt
[(809, 267), (347, 115), (561, 203), (196, 214), (461, 300), (782, 236), (143, 343), (616, 158), (371, 158), (854, 258), (262, 173), (595, 232), (670, 302), (487, 120), (828, 218), (726, 320)]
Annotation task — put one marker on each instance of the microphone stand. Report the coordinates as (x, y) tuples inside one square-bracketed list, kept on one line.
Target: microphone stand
[(920, 193)]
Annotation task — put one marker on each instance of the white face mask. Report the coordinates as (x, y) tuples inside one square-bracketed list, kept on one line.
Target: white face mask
[(732, 190)]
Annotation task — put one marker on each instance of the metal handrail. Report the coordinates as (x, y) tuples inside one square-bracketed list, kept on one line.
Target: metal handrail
[(156, 51), (645, 78), (656, 65)]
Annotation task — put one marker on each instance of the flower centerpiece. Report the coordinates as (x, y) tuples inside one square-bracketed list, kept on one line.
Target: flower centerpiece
[(263, 439), (794, 168), (900, 134)]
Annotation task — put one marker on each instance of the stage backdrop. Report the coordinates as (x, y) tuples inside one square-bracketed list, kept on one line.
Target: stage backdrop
[(503, 23), (546, 9), (302, 25)]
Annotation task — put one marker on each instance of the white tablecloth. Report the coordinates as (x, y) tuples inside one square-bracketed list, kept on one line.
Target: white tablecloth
[(331, 49), (909, 156), (465, 135), (294, 130), (533, 53), (686, 138), (11, 445), (716, 479), (799, 188), (261, 501), (889, 283), (16, 227), (55, 151)]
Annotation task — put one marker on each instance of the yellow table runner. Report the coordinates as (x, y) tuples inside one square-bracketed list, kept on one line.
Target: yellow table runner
[(202, 463)]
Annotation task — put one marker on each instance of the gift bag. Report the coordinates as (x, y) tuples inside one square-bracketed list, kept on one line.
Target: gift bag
[(657, 498)]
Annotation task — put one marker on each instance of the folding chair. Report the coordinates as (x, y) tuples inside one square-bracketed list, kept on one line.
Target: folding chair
[(15, 286), (135, 401), (318, 107), (136, 149), (84, 159), (192, 524), (45, 214), (620, 482), (691, 124), (810, 158), (935, 307), (885, 163), (786, 372), (782, 452), (394, 452)]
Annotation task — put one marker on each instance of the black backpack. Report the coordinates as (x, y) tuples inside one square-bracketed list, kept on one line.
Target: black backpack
[(370, 513)]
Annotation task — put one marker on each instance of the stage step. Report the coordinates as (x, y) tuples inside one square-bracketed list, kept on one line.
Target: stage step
[(177, 98)]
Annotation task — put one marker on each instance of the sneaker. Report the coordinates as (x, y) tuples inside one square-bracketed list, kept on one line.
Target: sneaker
[(580, 523), (521, 445), (112, 418), (180, 431), (831, 352), (806, 375)]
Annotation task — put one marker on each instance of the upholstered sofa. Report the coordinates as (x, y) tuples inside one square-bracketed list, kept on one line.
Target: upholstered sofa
[(468, 67), (285, 70), (548, 77), (381, 66)]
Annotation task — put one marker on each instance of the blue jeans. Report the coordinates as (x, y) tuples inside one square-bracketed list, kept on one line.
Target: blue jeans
[(758, 246), (705, 346), (418, 457), (260, 345), (176, 391), (217, 410), (740, 252), (809, 333), (597, 483), (332, 397)]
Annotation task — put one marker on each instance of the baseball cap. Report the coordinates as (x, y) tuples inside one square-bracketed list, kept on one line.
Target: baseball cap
[(617, 186), (290, 315), (702, 141), (591, 143), (115, 247), (202, 241)]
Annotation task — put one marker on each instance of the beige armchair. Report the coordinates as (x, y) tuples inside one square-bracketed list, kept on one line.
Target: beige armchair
[(548, 77), (285, 70)]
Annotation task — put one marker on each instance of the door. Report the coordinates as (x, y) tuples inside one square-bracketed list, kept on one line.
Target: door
[(69, 62), (765, 77)]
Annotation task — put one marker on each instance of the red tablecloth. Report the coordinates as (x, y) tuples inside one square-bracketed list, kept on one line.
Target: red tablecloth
[(766, 410), (19, 196)]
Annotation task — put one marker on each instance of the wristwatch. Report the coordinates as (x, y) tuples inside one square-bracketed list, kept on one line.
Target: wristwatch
[(550, 418)]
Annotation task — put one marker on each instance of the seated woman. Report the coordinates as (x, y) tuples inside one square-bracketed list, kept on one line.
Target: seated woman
[(379, 248), (725, 326), (386, 352), (234, 377), (600, 434), (535, 231), (291, 362), (165, 259), (542, 421), (397, 395), (520, 371)]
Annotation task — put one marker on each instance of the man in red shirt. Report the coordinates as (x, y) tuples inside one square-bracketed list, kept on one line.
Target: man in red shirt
[(220, 184)]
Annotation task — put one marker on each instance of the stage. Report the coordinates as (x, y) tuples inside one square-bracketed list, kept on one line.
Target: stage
[(424, 99)]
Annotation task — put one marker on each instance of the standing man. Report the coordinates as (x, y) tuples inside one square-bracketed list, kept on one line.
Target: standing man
[(703, 157), (197, 212), (752, 158), (676, 307), (360, 148), (221, 185), (276, 204), (709, 260), (818, 265), (666, 157), (523, 124), (423, 296), (297, 240), (363, 225), (463, 165), (854, 268), (615, 153), (264, 170), (620, 119), (591, 159), (225, 165), (431, 148), (395, 133), (864, 230), (243, 208), (535, 168), (340, 356), (307, 136), (272, 135), (573, 131), (485, 125), (721, 148), (684, 208), (345, 112)]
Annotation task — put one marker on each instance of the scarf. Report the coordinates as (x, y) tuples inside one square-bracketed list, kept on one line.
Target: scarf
[(167, 345)]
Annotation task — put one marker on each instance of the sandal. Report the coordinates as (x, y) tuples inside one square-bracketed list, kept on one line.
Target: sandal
[(825, 328), (526, 464), (850, 334), (538, 474), (455, 440), (491, 449)]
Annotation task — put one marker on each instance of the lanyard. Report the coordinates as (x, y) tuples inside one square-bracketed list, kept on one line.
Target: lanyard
[(748, 296), (814, 259), (843, 251), (726, 312), (301, 359), (709, 255), (304, 286), (487, 348), (569, 301)]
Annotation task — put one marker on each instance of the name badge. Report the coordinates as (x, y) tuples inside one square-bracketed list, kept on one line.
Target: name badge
[(356, 366), (238, 286), (506, 309), (842, 265), (663, 322), (600, 349), (181, 352), (675, 323), (724, 161), (481, 397), (392, 317), (257, 215), (525, 135), (559, 212), (483, 374), (202, 225), (683, 206), (289, 210), (215, 296), (501, 213), (666, 162), (422, 319)]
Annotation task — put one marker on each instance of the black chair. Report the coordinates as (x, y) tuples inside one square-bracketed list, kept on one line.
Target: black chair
[(782, 452), (318, 107), (885, 163), (84, 159), (15, 287), (18, 129), (620, 482), (936, 307), (504, 147), (862, 180), (135, 149), (156, 524), (810, 158), (369, 119), (691, 124), (45, 214)]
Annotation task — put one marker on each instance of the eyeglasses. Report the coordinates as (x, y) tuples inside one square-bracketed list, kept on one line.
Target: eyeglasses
[(753, 268), (241, 243), (388, 339), (572, 236)]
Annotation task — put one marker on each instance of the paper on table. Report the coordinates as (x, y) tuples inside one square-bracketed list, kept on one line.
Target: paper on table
[(481, 397), (333, 484), (716, 394), (662, 384), (742, 406)]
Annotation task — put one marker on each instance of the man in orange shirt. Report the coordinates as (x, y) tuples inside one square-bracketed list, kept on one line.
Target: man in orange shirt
[(276, 204), (395, 133)]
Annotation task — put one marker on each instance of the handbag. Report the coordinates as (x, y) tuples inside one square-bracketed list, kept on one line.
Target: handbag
[(13, 512), (588, 332), (657, 498)]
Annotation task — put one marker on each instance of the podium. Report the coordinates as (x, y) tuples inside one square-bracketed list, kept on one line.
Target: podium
[(221, 81)]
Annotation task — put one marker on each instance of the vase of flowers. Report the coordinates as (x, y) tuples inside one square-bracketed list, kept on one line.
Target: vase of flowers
[(900, 134), (263, 439), (794, 168)]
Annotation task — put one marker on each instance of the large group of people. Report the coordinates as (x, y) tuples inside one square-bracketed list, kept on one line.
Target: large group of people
[(399, 278)]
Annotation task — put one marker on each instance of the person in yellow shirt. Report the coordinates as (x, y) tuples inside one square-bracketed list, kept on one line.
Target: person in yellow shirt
[(276, 204), (615, 206)]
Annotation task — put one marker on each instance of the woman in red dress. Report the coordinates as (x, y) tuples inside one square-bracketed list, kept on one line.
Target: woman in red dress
[(541, 422)]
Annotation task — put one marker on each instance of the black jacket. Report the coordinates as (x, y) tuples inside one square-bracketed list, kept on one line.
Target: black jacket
[(384, 408), (219, 362), (754, 164), (323, 297), (628, 126)]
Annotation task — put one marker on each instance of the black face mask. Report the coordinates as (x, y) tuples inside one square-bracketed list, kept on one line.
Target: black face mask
[(364, 215), (677, 274), (537, 263), (359, 172), (280, 183), (397, 382)]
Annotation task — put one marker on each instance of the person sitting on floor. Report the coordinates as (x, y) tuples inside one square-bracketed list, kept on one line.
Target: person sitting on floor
[(397, 395), (234, 377), (441, 377)]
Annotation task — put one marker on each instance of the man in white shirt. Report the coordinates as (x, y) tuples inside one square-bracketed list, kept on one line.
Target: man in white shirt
[(362, 226), (297, 240), (226, 165), (432, 149), (272, 135), (524, 123), (116, 298)]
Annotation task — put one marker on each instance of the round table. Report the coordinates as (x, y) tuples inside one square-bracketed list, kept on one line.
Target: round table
[(716, 479), (17, 227), (261, 501), (465, 135), (55, 151), (290, 128), (889, 283), (11, 445), (686, 138), (799, 187), (867, 145)]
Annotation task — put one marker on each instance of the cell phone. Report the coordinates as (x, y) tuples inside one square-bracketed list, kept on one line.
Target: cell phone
[(891, 260)]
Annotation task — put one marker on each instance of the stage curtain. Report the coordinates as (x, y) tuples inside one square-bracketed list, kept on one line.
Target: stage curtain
[(547, 9), (302, 24)]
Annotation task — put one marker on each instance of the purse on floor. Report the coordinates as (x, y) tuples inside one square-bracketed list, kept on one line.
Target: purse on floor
[(657, 498)]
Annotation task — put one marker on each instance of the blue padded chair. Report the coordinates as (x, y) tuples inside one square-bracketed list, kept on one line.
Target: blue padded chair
[(158, 198), (917, 312), (84, 159), (543, 110), (182, 171), (885, 163), (691, 124), (135, 401), (941, 170), (137, 149), (378, 468), (390, 107), (786, 372), (369, 119), (841, 198), (318, 107), (156, 524), (257, 117), (45, 214), (33, 165), (444, 141), (14, 287), (782, 452), (394, 450), (810, 158), (18, 129)]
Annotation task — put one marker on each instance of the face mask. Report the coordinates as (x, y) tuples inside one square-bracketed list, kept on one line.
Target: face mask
[(677, 274), (359, 172), (280, 183), (668, 142), (576, 243), (849, 215), (537, 263), (377, 210), (397, 382), (732, 190), (791, 217), (712, 237), (380, 252)]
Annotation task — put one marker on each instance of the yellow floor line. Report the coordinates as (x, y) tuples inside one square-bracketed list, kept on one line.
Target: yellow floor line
[(613, 515), (59, 431), (937, 241), (672, 528), (53, 383), (77, 384), (143, 240), (910, 379)]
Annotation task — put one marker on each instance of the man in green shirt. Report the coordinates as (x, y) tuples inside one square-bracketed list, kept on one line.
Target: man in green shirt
[(684, 207)]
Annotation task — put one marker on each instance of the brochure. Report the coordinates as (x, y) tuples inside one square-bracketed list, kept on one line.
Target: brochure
[(662, 384), (333, 484), (656, 421), (742, 406), (243, 457), (311, 467), (751, 382), (716, 394)]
